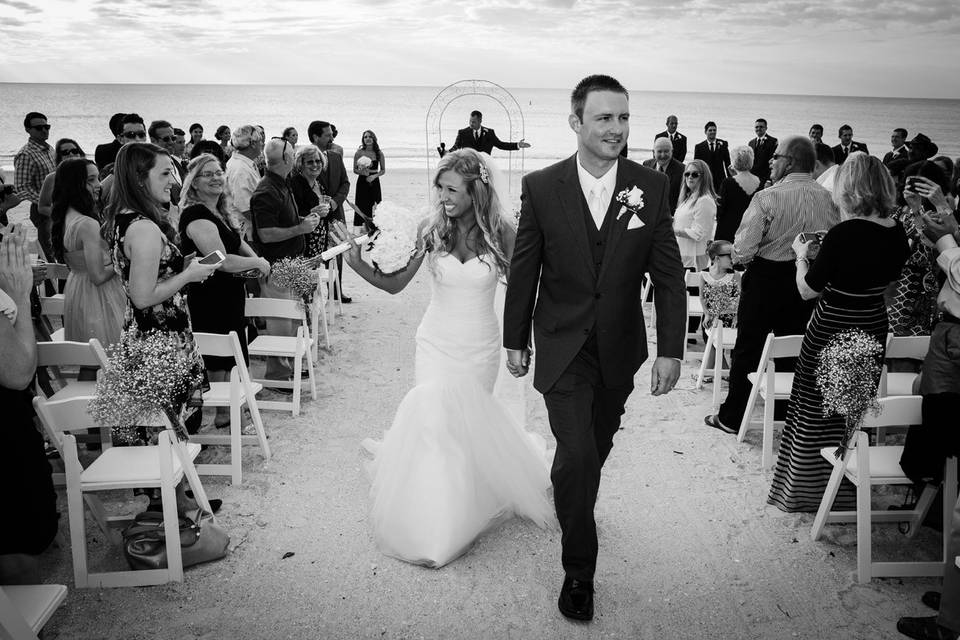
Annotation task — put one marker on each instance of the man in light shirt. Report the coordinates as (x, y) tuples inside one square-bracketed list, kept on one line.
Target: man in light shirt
[(242, 175)]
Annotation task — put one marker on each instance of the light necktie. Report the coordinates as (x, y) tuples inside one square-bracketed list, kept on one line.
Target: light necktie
[(597, 199)]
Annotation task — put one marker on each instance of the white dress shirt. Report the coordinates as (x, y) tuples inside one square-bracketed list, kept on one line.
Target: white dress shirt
[(597, 191), (241, 181)]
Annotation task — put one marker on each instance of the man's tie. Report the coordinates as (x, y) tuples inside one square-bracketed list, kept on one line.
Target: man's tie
[(597, 201), (711, 147), (661, 168), (476, 135)]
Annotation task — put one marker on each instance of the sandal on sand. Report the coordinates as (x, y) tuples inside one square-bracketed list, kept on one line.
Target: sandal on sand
[(714, 421)]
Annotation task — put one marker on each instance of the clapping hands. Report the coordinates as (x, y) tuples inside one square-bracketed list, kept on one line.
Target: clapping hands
[(16, 274)]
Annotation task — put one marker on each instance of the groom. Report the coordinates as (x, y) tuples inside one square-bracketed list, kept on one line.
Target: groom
[(590, 227)]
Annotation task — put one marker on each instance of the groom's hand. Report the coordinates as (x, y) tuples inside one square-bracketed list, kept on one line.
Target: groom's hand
[(518, 362), (666, 372)]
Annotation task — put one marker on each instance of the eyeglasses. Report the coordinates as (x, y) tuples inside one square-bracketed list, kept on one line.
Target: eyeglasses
[(313, 161), (130, 135), (72, 151), (691, 174), (212, 174), (45, 127)]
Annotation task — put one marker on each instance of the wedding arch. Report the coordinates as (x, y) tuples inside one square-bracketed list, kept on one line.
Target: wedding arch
[(512, 164)]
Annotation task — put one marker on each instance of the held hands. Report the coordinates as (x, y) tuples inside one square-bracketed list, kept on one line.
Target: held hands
[(518, 362), (664, 376), (16, 275), (197, 272)]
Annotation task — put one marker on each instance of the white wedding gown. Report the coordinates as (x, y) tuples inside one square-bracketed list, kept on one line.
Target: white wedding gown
[(455, 462)]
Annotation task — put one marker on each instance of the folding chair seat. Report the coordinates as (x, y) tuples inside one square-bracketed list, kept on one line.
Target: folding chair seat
[(25, 609)]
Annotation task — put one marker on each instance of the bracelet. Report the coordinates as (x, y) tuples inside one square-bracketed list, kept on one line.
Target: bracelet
[(802, 259)]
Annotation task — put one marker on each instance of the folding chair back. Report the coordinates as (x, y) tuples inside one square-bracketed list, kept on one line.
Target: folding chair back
[(275, 308), (71, 354), (900, 383)]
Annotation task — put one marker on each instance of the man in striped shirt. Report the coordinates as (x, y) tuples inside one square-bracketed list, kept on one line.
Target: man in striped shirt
[(31, 165), (769, 300)]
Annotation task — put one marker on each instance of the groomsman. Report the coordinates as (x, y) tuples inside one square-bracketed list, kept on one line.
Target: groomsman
[(716, 153), (677, 139), (763, 147), (847, 144), (664, 162), (900, 151)]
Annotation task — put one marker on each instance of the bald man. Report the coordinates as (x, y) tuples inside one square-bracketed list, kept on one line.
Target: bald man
[(664, 162)]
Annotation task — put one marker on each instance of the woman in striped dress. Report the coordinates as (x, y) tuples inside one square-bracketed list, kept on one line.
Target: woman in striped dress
[(858, 259)]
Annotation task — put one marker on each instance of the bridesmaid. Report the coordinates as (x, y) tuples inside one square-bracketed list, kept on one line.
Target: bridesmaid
[(368, 194)]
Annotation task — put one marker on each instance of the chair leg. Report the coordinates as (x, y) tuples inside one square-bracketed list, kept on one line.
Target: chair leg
[(310, 374), (717, 366), (766, 456), (78, 534), (258, 424), (748, 411), (829, 495), (703, 362), (236, 424), (864, 515), (297, 380)]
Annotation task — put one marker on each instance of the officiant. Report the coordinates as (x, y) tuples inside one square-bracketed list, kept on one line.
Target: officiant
[(482, 138)]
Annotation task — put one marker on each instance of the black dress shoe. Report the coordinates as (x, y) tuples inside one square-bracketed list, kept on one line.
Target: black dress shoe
[(931, 599), (346, 299), (576, 599), (924, 629)]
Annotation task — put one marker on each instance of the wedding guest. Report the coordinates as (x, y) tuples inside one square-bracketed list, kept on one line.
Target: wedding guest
[(290, 135), (719, 291), (696, 213), (31, 165), (921, 148), (946, 165), (847, 145), (898, 152), (309, 197), (825, 171), (735, 194), (94, 301), (368, 194), (64, 149), (664, 162), (242, 175), (334, 182), (106, 153), (769, 300), (196, 135), (483, 139), (180, 146), (333, 145), (133, 129), (223, 135), (716, 153), (28, 502), (278, 231), (816, 134), (211, 147), (9, 198), (216, 305), (857, 260), (763, 148), (261, 162), (677, 139), (161, 134)]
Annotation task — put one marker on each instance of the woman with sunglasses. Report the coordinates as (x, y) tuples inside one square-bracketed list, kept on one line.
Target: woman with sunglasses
[(308, 194), (696, 214), (64, 149)]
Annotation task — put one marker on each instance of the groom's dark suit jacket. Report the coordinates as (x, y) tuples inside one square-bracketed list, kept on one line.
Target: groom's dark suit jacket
[(555, 283), (485, 144)]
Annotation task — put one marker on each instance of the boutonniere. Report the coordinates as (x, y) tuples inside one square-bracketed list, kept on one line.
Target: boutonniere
[(631, 200)]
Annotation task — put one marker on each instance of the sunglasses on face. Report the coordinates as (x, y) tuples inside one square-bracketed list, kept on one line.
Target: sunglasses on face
[(44, 127), (130, 135), (72, 151), (691, 174), (166, 139)]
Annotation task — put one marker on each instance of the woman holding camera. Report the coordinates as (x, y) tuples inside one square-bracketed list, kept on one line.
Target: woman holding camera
[(858, 258)]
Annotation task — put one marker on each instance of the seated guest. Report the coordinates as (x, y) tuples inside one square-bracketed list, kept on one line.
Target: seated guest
[(857, 260), (720, 290), (28, 501), (196, 135), (94, 301), (106, 153), (308, 194), (64, 149), (735, 193), (696, 214), (217, 304)]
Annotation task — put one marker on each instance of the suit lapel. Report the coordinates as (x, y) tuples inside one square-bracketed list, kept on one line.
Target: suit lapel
[(571, 196), (616, 227)]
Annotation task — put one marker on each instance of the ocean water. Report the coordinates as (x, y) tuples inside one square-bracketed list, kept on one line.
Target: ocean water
[(400, 116)]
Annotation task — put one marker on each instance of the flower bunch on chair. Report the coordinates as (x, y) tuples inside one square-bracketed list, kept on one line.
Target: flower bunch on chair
[(850, 365), (720, 300), (396, 239), (297, 275), (149, 373)]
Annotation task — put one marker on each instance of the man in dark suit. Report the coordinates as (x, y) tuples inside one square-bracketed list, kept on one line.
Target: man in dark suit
[(333, 181), (107, 153), (899, 152), (483, 139), (664, 162), (716, 153), (586, 237), (847, 145), (763, 147), (677, 139)]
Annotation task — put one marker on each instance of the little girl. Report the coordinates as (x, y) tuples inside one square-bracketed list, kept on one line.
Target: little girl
[(720, 293)]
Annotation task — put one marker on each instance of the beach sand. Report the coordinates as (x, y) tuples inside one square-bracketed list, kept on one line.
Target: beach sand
[(688, 547)]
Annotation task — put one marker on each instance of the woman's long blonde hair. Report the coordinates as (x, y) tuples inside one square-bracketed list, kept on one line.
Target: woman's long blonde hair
[(189, 190), (440, 235)]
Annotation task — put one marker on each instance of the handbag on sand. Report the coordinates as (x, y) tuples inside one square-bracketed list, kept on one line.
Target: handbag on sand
[(144, 542)]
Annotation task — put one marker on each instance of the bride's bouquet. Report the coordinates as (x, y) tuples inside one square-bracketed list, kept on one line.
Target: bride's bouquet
[(396, 240)]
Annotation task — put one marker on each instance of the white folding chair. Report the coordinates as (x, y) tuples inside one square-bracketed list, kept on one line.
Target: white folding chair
[(905, 348), (333, 288), (295, 347), (318, 312), (239, 391), (162, 465), (866, 466), (25, 609), (720, 340), (63, 360), (692, 279), (770, 385), (51, 308)]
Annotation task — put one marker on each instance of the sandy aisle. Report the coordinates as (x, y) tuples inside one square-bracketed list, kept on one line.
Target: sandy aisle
[(688, 548)]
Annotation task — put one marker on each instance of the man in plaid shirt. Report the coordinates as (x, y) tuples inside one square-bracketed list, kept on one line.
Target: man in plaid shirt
[(31, 165)]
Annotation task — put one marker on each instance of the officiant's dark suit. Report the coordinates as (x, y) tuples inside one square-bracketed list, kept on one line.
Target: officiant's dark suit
[(579, 288), (483, 141)]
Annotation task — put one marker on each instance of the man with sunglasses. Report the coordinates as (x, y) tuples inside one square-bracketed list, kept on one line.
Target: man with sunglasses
[(32, 164), (161, 134)]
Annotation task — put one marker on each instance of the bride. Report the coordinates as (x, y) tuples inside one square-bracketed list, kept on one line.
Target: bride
[(455, 462)]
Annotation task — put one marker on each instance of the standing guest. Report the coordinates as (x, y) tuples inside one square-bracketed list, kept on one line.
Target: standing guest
[(715, 153), (64, 149), (94, 301), (334, 182), (735, 194), (696, 214), (664, 162), (309, 197), (290, 135), (163, 135), (898, 153), (217, 305), (333, 145), (858, 259), (946, 165), (242, 175), (825, 171), (763, 147), (132, 129), (211, 147), (677, 139), (260, 161), (278, 231), (106, 153), (196, 135), (32, 164), (483, 139), (816, 134), (368, 184), (769, 299), (180, 146), (847, 144), (28, 497), (223, 135)]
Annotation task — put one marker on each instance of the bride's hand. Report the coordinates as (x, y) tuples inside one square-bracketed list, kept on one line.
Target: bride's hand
[(339, 233)]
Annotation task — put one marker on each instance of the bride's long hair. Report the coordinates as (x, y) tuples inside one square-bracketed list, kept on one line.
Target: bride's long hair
[(441, 233)]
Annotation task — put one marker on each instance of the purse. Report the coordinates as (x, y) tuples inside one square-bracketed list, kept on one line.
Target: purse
[(144, 541)]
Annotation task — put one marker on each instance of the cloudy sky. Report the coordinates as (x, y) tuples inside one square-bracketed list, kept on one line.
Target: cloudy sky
[(831, 47)]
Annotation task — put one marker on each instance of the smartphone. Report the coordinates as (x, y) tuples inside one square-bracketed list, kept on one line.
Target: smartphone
[(909, 184), (213, 258), (812, 236)]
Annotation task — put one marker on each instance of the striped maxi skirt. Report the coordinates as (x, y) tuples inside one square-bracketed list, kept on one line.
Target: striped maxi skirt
[(801, 474)]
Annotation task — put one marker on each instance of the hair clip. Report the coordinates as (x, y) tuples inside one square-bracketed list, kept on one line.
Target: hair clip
[(484, 176)]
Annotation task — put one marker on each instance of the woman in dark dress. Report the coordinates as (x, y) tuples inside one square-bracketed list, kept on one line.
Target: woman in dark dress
[(28, 502), (368, 194), (217, 305), (308, 194), (735, 194), (858, 259)]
